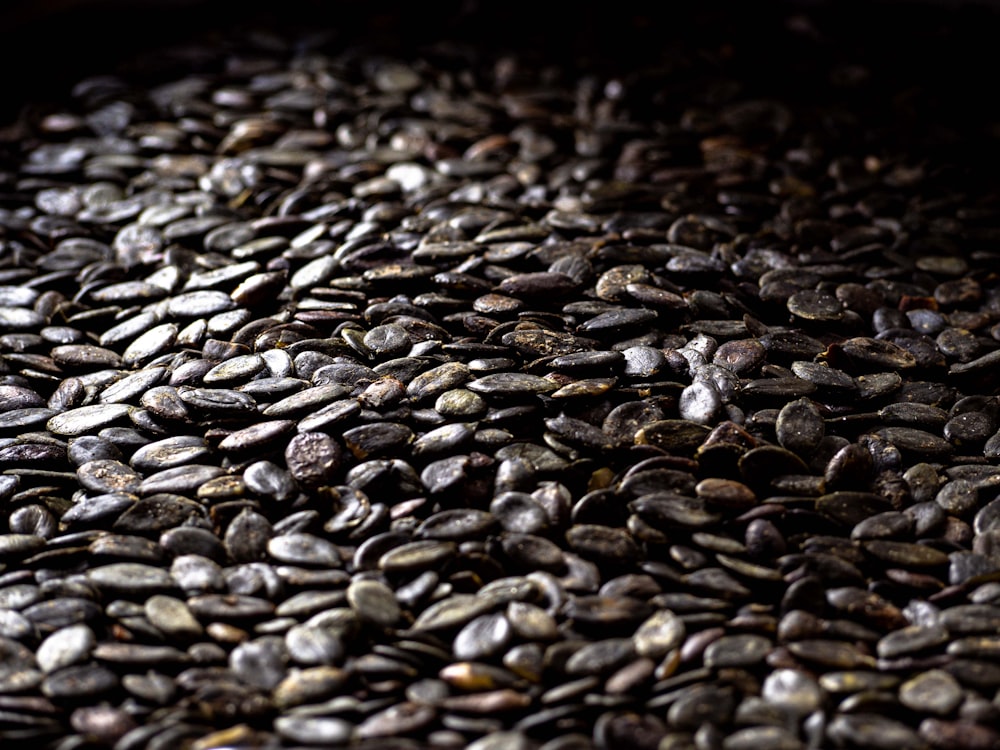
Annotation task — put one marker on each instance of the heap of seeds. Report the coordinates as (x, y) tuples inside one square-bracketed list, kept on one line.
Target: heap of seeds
[(461, 395)]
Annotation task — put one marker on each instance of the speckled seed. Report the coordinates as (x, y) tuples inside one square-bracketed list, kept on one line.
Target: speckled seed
[(309, 685), (659, 634), (402, 719), (269, 480), (800, 427), (510, 383), (873, 731), (103, 476), (313, 458), (815, 306), (130, 577), (772, 737), (304, 549), (87, 419), (172, 616), (260, 663), (793, 691), (700, 402), (437, 380), (106, 724), (482, 637), (79, 681), (459, 402), (934, 691), (737, 651), (169, 452), (64, 647), (451, 612), (374, 602)]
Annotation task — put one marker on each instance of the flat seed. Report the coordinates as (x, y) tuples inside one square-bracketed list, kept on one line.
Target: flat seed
[(198, 304), (130, 577), (934, 691), (916, 441), (305, 400), (659, 634), (79, 681), (312, 458), (800, 427), (814, 305), (65, 647), (303, 549), (257, 437), (792, 690), (672, 434), (482, 637), (188, 479), (86, 419), (868, 730), (374, 602), (450, 613), (168, 453), (151, 343), (525, 400), (511, 383), (108, 476), (172, 616), (399, 720), (737, 651)]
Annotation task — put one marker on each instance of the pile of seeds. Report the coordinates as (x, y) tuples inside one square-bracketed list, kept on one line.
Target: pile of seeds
[(463, 398)]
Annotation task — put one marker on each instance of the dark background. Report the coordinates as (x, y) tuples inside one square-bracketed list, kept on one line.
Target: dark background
[(947, 47)]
